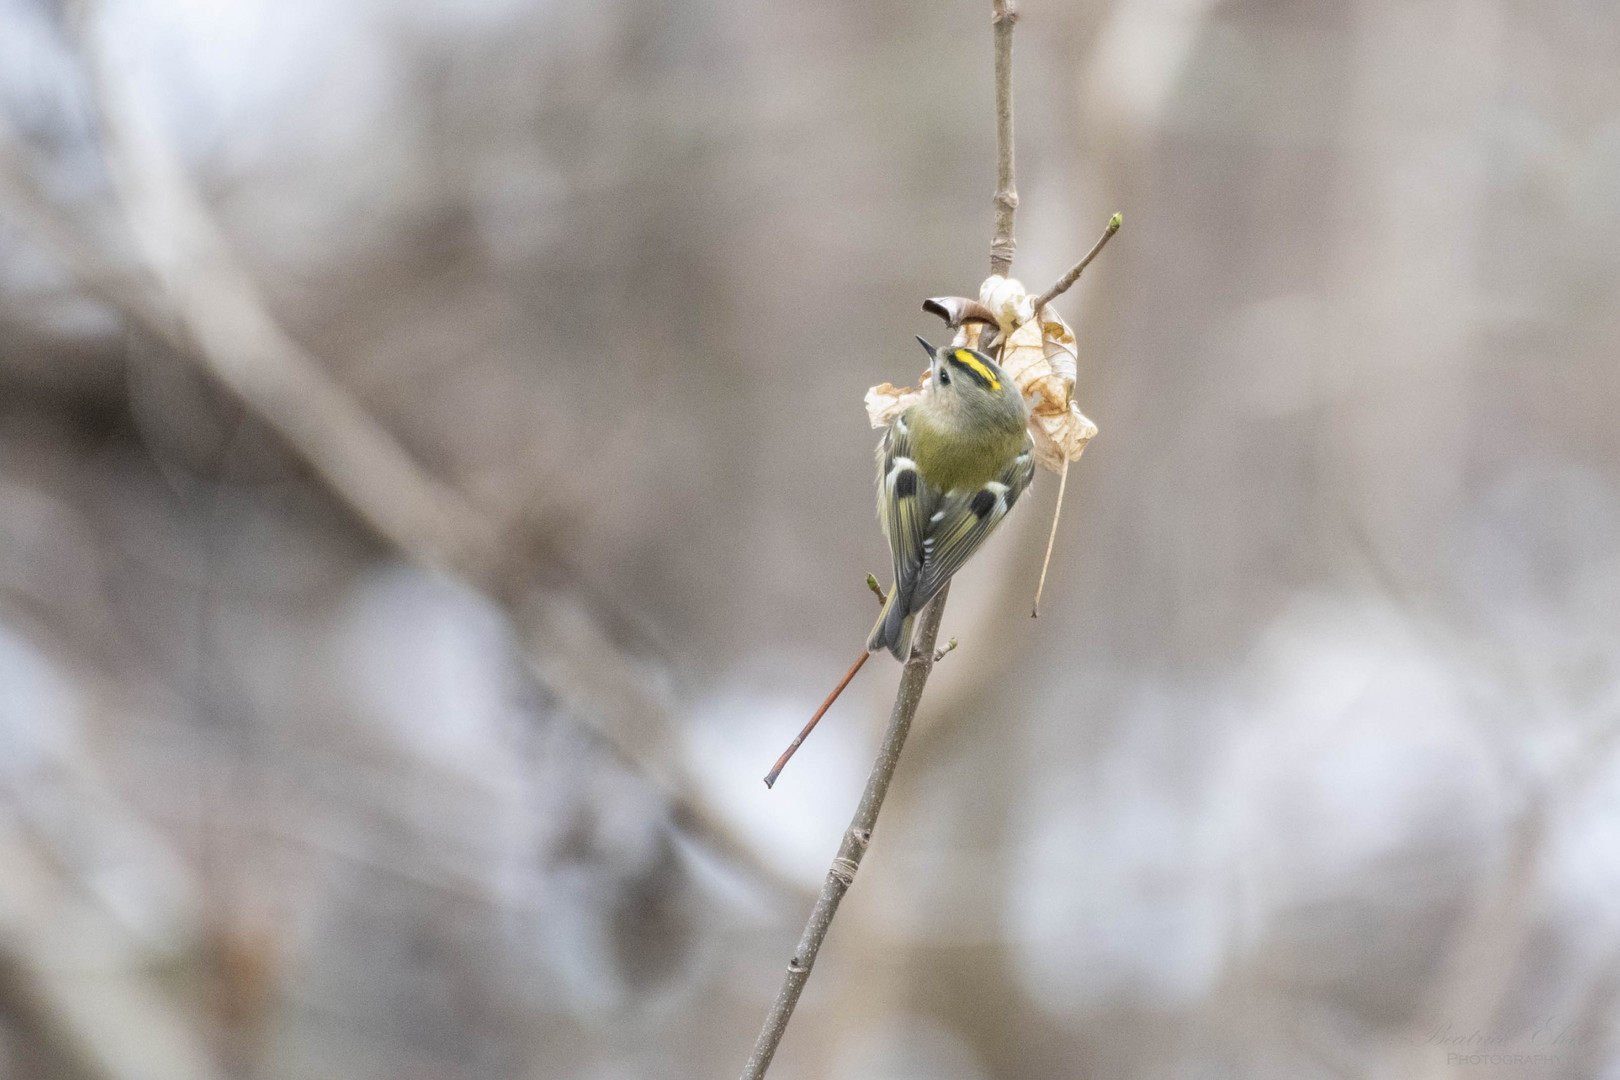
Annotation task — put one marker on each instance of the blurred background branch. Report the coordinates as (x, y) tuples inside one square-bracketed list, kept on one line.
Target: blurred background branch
[(207, 309)]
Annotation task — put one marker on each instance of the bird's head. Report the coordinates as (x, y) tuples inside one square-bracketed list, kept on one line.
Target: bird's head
[(965, 374)]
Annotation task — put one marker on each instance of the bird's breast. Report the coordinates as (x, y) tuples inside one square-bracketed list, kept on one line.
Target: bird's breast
[(956, 460)]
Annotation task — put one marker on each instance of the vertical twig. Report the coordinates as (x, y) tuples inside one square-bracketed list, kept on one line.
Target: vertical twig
[(915, 674), (1003, 15)]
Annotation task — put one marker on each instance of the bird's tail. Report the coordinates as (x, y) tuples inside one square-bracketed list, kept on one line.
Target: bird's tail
[(893, 629)]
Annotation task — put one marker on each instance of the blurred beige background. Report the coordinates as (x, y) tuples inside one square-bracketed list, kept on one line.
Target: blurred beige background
[(434, 486)]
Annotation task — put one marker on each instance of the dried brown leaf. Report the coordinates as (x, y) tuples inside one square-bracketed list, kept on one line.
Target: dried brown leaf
[(887, 401), (1060, 437), (1040, 355), (956, 310), (1043, 359), (1007, 300)]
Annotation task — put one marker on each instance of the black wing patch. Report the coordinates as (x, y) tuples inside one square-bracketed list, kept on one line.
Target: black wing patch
[(905, 503), (931, 533)]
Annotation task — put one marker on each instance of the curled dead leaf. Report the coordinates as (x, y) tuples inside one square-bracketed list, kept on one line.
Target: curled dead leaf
[(1040, 355), (1007, 300), (886, 401), (1043, 359), (956, 310), (1060, 437)]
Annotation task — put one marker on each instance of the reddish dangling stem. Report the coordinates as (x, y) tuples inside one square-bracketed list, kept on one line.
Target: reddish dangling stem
[(776, 770)]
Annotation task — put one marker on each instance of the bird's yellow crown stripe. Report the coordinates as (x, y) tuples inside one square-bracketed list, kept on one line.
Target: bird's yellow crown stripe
[(965, 357)]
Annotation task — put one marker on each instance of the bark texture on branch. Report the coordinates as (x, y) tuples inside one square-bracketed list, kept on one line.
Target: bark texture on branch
[(1004, 15), (856, 838)]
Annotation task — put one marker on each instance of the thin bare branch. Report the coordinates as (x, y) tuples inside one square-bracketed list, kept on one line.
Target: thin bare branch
[(848, 860), (1061, 285), (243, 346), (1004, 13), (860, 661), (921, 663), (22, 197), (198, 300), (793, 747)]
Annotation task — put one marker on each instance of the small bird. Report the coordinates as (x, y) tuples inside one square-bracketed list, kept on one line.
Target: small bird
[(949, 469)]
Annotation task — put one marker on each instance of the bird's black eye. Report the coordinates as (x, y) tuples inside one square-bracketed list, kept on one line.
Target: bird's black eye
[(944, 377)]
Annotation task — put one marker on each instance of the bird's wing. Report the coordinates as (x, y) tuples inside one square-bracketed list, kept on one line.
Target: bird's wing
[(905, 503), (962, 521)]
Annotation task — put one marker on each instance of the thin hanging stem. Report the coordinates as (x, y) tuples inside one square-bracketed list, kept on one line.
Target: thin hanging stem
[(793, 747), (1057, 512)]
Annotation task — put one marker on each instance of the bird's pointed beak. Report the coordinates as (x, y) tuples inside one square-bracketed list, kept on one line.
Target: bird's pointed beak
[(927, 348)]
